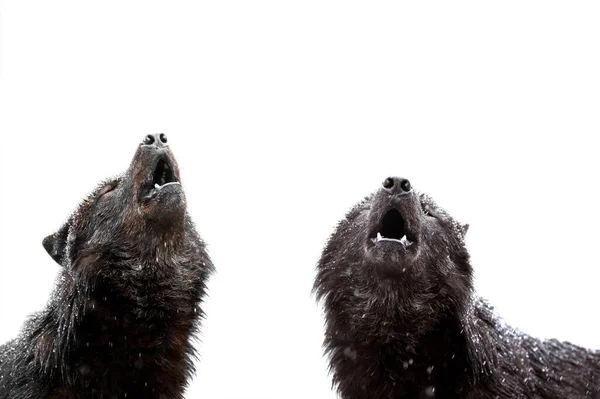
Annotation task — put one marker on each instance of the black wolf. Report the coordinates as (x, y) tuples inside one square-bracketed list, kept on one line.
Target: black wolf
[(402, 320), (126, 305)]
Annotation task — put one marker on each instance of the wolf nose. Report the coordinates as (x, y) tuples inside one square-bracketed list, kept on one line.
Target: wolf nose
[(397, 185), (157, 140)]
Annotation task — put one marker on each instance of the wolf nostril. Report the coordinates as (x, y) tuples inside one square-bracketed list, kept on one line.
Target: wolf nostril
[(405, 185), (397, 185), (163, 138), (388, 183), (149, 139)]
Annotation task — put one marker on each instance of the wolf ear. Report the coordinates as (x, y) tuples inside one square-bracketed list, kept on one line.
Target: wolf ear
[(55, 244), (463, 229)]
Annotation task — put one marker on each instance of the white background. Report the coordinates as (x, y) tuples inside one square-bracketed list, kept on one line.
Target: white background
[(284, 114)]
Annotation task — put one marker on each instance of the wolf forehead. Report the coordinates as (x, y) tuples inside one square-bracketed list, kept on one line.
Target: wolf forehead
[(82, 211)]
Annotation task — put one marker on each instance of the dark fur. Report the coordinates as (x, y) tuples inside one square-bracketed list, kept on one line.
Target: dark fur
[(405, 322), (125, 308)]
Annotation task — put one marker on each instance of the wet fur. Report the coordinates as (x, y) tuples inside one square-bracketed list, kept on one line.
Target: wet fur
[(419, 331), (126, 305)]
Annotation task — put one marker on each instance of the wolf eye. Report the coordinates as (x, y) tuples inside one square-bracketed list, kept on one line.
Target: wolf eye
[(427, 211), (106, 189)]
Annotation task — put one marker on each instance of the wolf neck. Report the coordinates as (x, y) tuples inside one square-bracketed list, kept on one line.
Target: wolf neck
[(100, 321), (433, 360), (160, 246), (437, 352)]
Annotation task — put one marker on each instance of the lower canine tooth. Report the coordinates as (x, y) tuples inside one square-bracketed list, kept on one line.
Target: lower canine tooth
[(405, 241), (379, 236), (156, 186)]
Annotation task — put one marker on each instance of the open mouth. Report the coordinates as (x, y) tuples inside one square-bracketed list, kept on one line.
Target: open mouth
[(393, 229), (163, 175)]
